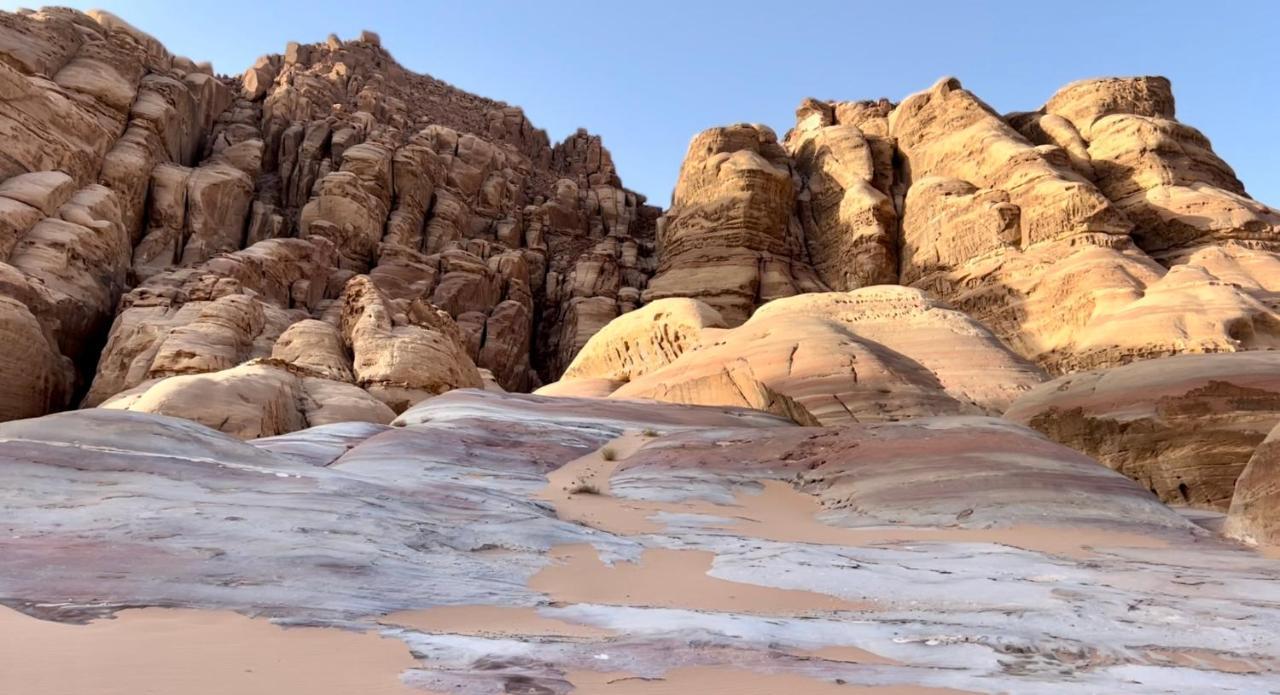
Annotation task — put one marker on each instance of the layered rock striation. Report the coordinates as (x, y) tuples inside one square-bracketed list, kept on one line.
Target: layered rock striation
[(162, 221)]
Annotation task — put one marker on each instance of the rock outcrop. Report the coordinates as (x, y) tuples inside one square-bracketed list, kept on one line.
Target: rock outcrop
[(731, 237), (1020, 236), (1254, 515), (187, 220), (1184, 427), (873, 354)]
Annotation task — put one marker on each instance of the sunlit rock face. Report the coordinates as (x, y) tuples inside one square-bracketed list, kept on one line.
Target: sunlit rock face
[(142, 196), (879, 353), (731, 237)]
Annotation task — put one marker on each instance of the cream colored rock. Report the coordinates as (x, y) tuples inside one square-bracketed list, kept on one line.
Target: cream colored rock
[(730, 238), (970, 363), (314, 347), (1254, 514), (217, 202), (212, 316), (328, 401), (402, 359), (1163, 174), (250, 401), (590, 387), (1015, 235), (848, 218), (874, 354), (255, 399), (641, 341)]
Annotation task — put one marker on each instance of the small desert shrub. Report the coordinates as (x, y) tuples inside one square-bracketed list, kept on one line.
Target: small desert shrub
[(608, 454), (650, 433), (582, 487)]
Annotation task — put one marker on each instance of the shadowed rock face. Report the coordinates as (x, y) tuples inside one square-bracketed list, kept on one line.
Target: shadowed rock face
[(1184, 427), (908, 531)]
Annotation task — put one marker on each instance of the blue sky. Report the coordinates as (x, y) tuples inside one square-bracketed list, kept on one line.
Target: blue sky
[(648, 75)]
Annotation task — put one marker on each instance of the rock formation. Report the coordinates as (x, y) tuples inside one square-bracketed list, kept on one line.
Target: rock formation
[(268, 337), (1184, 426), (1254, 515), (873, 354), (189, 220), (731, 237)]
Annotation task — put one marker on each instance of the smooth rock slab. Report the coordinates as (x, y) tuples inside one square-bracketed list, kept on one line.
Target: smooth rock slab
[(1061, 575)]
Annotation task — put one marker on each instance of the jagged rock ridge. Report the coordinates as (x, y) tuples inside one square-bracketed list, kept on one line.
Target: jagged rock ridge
[(179, 223)]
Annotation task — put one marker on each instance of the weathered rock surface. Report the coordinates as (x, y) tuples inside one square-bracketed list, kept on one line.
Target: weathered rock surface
[(206, 215), (1184, 426), (873, 354), (645, 340), (961, 553), (844, 159), (1254, 515), (731, 238), (255, 399), (1162, 174)]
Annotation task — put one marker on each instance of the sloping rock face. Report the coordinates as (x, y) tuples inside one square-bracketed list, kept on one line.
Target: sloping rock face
[(188, 220), (873, 354), (721, 547), (1161, 173), (1254, 515), (731, 237), (1184, 427), (1091, 233), (1030, 237), (91, 107)]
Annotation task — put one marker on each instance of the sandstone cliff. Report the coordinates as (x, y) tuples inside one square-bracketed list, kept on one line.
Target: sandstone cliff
[(161, 221)]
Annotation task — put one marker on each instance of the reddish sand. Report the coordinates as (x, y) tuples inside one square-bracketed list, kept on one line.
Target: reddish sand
[(725, 681), (852, 655), (163, 652)]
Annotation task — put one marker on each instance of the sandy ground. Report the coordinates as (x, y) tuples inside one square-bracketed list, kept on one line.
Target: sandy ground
[(580, 492), (167, 652), (670, 579), (722, 681)]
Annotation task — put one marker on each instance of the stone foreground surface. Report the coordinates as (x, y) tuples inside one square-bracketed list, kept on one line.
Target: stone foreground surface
[(966, 553)]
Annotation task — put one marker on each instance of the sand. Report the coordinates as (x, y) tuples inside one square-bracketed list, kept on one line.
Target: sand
[(580, 492), (670, 579), (192, 652), (706, 680)]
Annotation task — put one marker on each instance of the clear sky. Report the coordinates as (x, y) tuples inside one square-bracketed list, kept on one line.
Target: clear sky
[(648, 75)]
